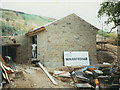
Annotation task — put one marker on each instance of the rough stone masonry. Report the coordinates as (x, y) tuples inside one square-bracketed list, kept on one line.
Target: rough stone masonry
[(70, 33)]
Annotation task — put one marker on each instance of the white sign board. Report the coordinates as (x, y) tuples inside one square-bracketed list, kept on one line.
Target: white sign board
[(76, 58)]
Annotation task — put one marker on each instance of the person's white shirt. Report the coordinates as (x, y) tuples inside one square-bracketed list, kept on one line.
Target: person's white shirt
[(34, 47)]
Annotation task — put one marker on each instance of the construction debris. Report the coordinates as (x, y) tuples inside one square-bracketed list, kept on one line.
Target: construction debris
[(84, 85), (19, 74), (6, 71), (8, 40), (88, 72), (85, 77), (62, 73), (50, 77), (101, 76)]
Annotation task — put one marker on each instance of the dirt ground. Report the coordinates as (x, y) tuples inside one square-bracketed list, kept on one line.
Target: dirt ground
[(28, 76), (107, 52)]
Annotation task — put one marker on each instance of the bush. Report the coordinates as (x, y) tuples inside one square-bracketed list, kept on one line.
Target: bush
[(8, 29), (117, 41), (106, 35), (113, 35)]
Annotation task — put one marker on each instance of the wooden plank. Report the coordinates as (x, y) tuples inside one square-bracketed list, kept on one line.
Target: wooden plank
[(35, 31), (9, 70), (3, 60), (50, 77), (84, 85), (5, 75), (11, 44)]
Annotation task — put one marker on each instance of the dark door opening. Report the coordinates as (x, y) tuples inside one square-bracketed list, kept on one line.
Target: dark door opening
[(9, 51), (34, 46), (34, 39)]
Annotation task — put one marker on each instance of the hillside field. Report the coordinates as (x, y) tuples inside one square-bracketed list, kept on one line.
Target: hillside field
[(14, 22)]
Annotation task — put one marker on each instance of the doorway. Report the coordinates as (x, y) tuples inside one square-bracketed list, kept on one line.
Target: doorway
[(34, 46), (9, 51)]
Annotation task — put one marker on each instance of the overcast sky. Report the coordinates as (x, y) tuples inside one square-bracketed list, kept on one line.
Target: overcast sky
[(86, 9)]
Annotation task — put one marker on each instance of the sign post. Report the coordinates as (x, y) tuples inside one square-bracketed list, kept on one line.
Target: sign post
[(76, 58)]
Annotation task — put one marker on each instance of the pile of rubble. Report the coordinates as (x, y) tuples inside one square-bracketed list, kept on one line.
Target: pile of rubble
[(7, 40), (6, 71), (92, 77)]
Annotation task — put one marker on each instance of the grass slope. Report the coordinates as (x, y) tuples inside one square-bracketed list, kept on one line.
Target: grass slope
[(20, 21)]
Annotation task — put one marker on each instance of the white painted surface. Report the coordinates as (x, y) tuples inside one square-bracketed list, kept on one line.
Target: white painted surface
[(50, 77), (76, 58)]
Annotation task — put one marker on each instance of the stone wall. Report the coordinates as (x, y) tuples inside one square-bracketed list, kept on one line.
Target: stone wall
[(41, 46), (6, 40), (29, 48), (69, 34), (22, 50)]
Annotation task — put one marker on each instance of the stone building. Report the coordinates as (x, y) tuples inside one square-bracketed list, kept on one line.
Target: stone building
[(70, 33), (8, 46)]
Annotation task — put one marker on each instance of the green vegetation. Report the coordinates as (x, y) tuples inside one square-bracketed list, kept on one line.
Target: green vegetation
[(111, 9), (112, 36), (13, 22), (8, 29), (107, 34), (29, 19)]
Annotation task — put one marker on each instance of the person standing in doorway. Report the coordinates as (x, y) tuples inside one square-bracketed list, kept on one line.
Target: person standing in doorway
[(34, 49)]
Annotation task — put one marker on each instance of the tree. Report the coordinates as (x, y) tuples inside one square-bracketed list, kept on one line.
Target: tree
[(111, 9)]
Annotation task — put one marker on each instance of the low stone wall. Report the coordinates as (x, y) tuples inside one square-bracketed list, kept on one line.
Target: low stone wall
[(7, 40), (22, 50)]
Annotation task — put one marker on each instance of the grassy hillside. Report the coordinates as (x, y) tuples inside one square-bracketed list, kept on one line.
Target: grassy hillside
[(107, 34), (14, 22), (113, 37)]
